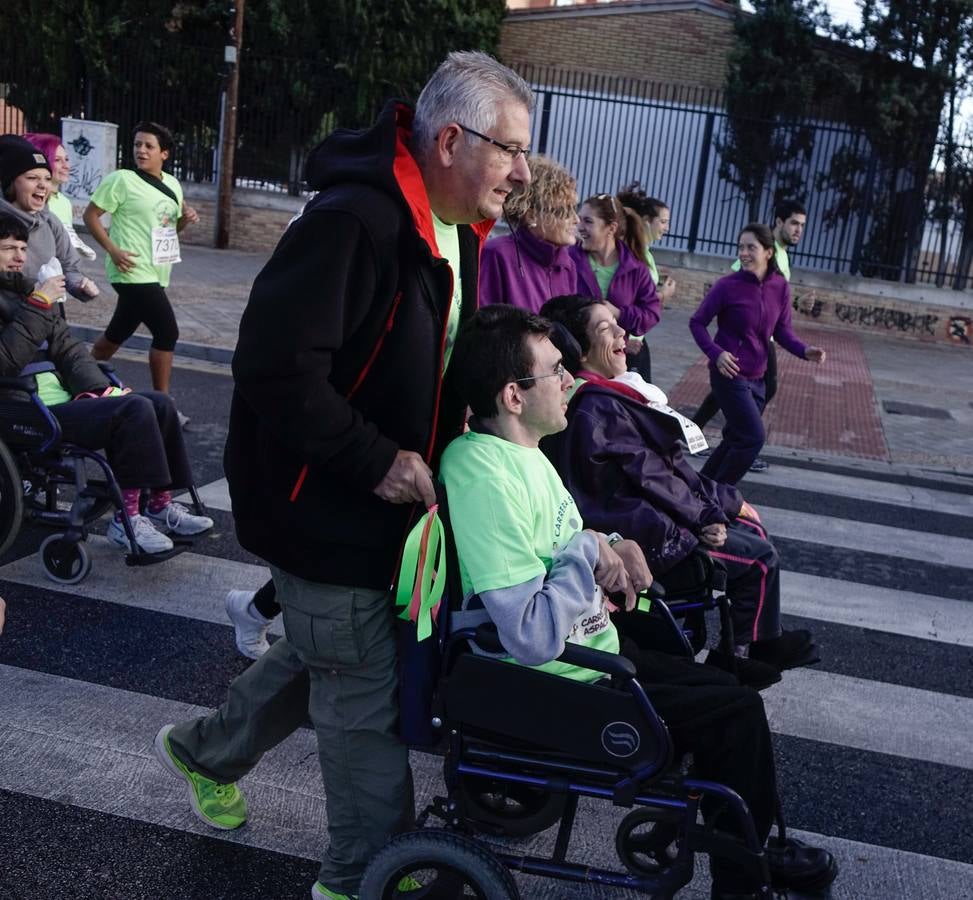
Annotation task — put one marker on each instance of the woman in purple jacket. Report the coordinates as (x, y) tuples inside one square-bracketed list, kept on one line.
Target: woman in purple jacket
[(749, 305), (531, 264), (621, 459), (611, 266)]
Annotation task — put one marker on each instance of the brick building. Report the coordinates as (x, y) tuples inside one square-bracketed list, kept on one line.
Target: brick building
[(670, 41)]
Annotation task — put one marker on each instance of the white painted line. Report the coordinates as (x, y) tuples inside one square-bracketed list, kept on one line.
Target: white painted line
[(90, 746), (883, 539), (869, 489), (872, 716), (877, 608), (215, 495), (190, 585)]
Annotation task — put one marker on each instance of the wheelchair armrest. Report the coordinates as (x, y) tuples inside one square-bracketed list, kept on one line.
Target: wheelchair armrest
[(16, 383), (575, 655)]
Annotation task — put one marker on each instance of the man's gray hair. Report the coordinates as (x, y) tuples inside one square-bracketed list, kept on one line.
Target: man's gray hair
[(468, 88)]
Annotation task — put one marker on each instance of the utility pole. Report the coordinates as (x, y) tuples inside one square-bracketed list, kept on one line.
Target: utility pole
[(224, 187)]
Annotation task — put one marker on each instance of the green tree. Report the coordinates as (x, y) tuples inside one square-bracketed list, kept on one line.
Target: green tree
[(914, 54), (776, 74)]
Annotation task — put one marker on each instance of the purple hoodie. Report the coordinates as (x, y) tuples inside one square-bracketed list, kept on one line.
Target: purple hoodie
[(631, 290), (522, 270), (747, 313)]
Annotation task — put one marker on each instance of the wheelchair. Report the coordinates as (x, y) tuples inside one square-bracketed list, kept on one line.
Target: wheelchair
[(503, 734), (39, 471)]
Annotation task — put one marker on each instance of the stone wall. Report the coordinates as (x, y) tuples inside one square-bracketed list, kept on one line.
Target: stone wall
[(257, 220), (914, 312)]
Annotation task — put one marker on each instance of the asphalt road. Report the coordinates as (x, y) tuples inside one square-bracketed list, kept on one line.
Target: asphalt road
[(872, 744)]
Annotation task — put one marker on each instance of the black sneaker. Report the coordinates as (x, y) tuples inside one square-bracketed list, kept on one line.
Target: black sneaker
[(749, 672), (789, 651), (800, 867)]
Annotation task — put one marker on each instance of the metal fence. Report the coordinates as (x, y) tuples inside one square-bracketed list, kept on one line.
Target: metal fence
[(610, 131), (607, 130)]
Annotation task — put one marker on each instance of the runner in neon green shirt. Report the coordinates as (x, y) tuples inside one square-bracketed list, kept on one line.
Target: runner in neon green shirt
[(526, 561), (148, 212)]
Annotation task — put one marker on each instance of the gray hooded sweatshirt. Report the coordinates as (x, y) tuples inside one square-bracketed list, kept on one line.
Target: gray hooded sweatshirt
[(47, 237)]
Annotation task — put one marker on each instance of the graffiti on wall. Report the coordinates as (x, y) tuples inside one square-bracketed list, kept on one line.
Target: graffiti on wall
[(883, 317), (960, 329), (91, 146)]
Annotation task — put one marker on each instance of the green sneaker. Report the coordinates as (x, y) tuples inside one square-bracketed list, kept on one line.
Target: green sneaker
[(320, 892), (218, 805)]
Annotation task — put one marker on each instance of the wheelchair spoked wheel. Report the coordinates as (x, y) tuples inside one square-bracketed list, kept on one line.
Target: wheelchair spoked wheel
[(646, 840), (11, 499), (505, 809), (64, 561), (449, 866)]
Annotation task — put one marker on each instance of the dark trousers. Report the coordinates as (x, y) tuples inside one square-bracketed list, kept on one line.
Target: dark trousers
[(139, 433), (753, 583), (725, 727), (641, 362), (742, 402), (709, 407)]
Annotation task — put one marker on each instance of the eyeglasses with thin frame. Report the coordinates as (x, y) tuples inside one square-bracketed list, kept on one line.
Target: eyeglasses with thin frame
[(512, 150), (558, 372)]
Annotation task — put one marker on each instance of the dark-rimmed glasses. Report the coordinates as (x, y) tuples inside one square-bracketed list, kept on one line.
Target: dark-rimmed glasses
[(558, 372), (512, 150)]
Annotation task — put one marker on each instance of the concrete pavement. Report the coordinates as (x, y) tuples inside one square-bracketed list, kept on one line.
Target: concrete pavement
[(880, 403)]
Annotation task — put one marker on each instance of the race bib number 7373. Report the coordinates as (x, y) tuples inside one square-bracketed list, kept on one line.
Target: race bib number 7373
[(165, 246)]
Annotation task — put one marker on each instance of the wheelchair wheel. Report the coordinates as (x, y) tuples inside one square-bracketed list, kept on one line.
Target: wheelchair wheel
[(11, 499), (646, 840), (66, 562), (511, 810), (449, 866)]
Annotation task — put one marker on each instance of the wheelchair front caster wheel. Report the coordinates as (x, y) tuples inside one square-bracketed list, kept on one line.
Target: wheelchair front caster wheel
[(646, 839), (66, 562), (444, 863)]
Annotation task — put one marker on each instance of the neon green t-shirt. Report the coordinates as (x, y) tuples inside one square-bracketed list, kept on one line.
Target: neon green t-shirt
[(510, 513), (50, 389), (447, 237), (653, 268), (780, 255), (141, 216), (58, 204), (603, 275)]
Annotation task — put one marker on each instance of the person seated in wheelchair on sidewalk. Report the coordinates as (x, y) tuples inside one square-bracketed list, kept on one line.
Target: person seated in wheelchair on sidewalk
[(621, 458), (528, 564), (139, 432)]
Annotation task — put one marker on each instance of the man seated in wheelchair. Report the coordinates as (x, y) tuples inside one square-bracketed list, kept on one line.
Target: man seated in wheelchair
[(621, 458), (139, 432), (528, 564)]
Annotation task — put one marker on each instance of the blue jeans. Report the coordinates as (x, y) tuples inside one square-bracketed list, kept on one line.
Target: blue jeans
[(742, 402)]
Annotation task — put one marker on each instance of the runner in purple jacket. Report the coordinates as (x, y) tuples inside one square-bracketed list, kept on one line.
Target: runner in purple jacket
[(531, 264), (611, 266), (749, 306)]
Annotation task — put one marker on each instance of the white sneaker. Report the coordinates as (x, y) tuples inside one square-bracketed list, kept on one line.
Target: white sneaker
[(176, 519), (249, 625), (146, 536), (182, 418)]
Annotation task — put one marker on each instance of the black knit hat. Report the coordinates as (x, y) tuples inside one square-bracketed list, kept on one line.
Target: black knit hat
[(17, 156)]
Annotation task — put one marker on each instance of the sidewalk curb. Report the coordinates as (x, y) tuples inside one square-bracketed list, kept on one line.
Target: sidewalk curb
[(140, 342)]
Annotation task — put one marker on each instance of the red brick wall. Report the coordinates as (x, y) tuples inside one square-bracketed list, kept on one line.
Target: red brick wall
[(689, 46)]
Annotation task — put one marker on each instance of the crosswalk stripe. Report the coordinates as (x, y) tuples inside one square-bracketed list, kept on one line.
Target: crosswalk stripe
[(215, 495), (90, 746), (867, 489), (868, 538), (873, 716), (190, 584), (877, 608)]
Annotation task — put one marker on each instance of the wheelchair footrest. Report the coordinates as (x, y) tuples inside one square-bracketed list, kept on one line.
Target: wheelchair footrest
[(150, 559)]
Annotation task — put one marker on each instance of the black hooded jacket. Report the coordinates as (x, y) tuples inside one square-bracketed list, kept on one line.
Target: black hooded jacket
[(339, 362)]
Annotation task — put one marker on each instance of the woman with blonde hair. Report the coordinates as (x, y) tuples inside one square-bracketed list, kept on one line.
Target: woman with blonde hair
[(532, 264)]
